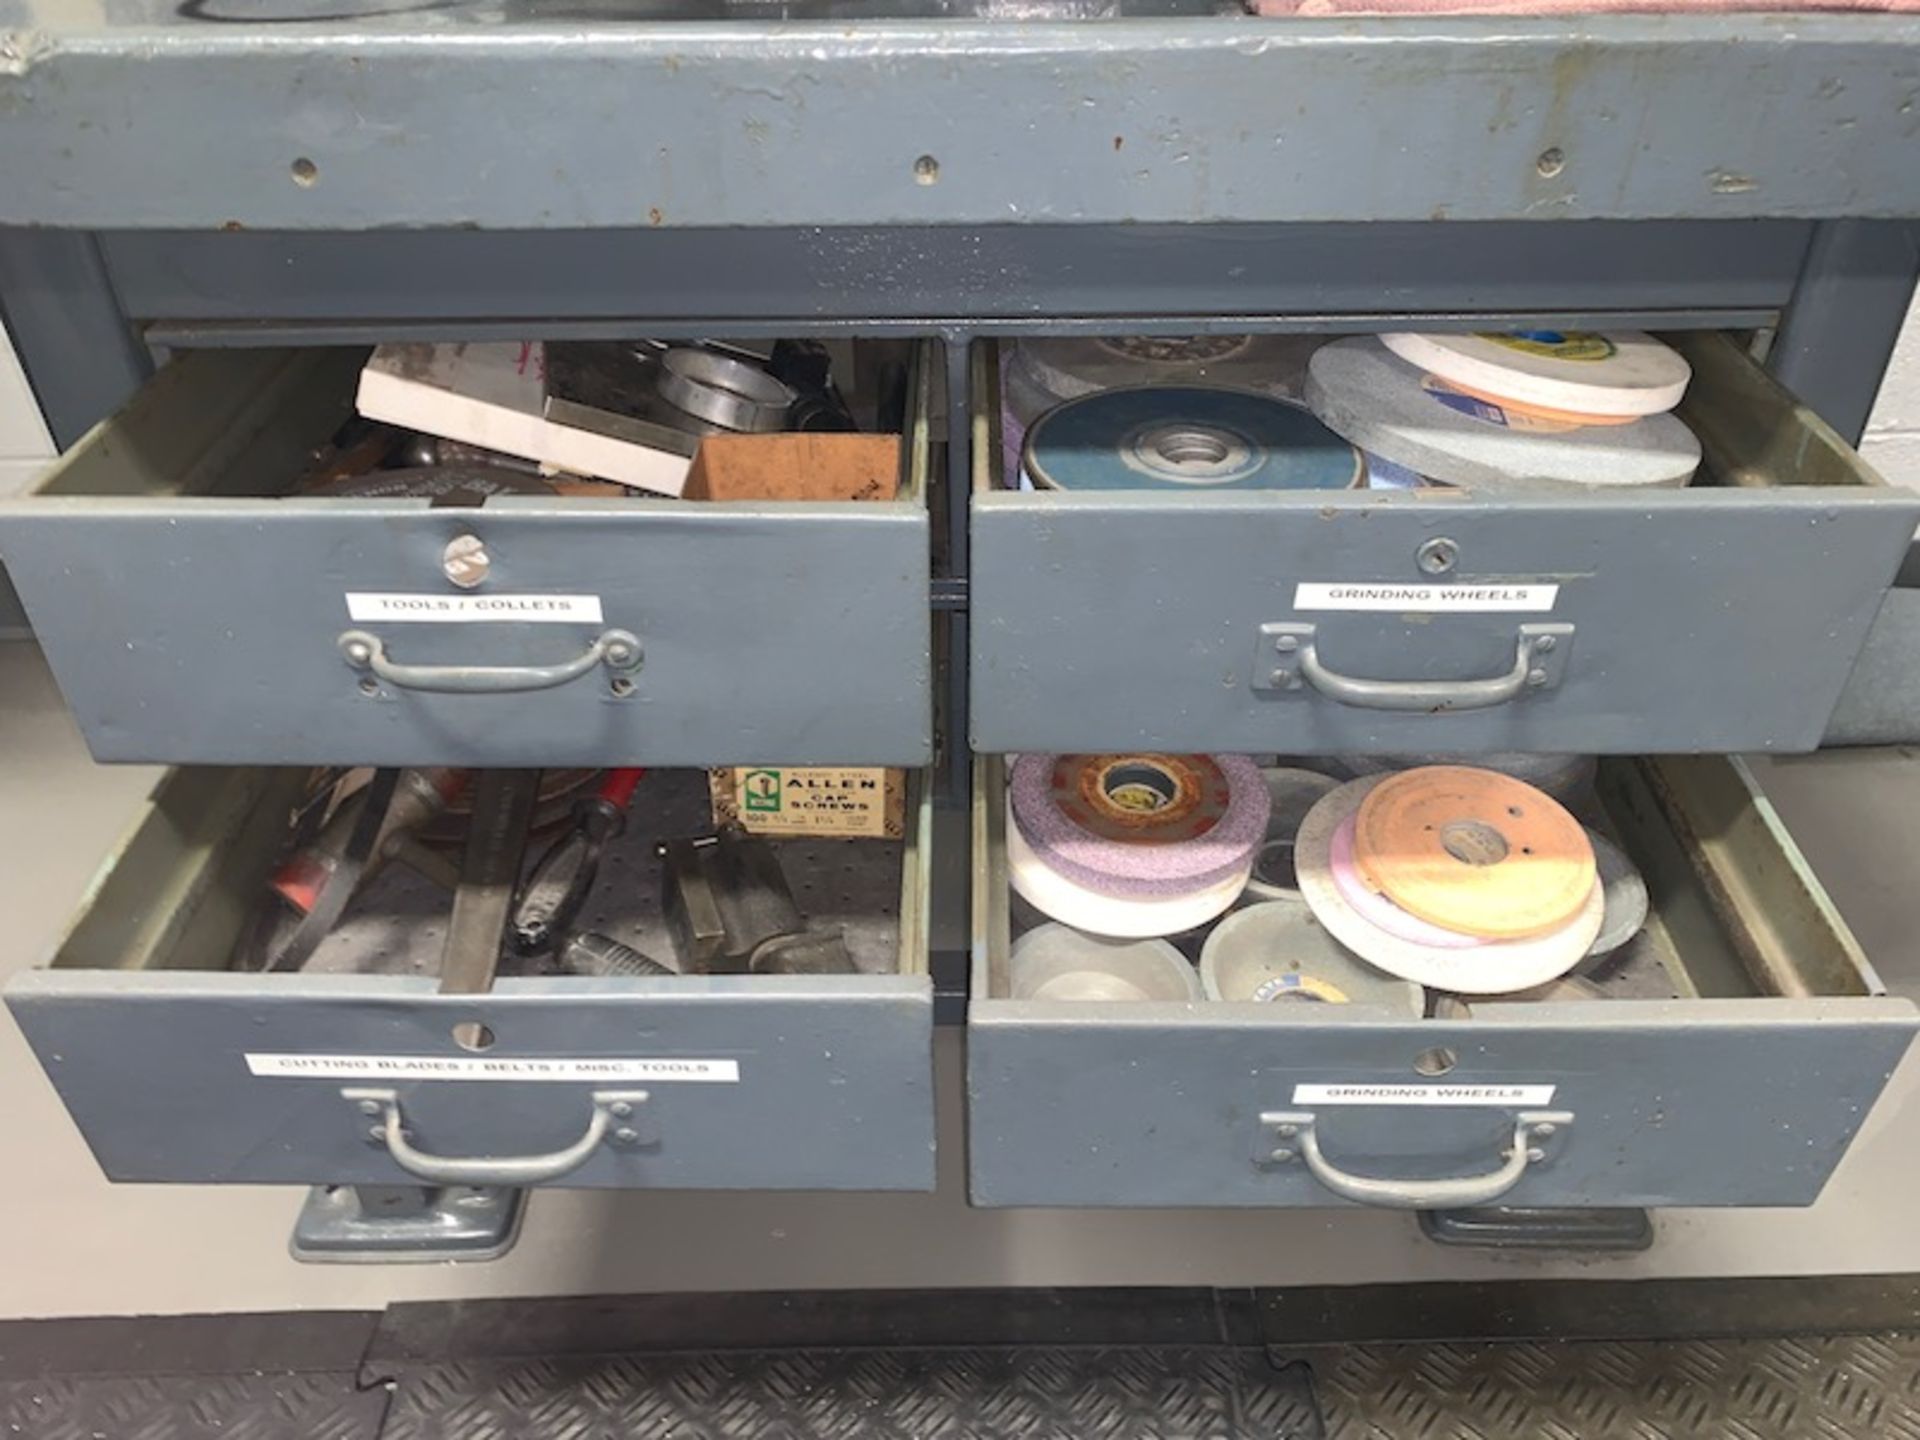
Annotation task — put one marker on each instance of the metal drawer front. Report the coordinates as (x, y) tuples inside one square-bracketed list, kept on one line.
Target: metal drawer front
[(1689, 1101), (198, 627), (204, 1076), (1723, 617)]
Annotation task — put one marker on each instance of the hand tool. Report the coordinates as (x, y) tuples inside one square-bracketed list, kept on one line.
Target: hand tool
[(564, 875)]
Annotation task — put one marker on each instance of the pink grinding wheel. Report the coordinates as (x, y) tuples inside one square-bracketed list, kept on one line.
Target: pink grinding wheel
[(1206, 836)]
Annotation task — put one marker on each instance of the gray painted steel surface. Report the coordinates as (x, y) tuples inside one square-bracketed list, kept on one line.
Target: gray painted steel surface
[(76, 343), (1839, 333), (199, 629), (1690, 1102), (433, 116), (1881, 703), (1644, 1102), (1026, 276), (1715, 620), (835, 1089), (146, 1034), (1723, 617)]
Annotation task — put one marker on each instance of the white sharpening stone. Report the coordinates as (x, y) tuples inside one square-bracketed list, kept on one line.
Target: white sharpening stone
[(1372, 398), (1613, 373), (493, 395)]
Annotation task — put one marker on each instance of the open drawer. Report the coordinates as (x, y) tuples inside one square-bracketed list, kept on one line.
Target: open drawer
[(1738, 1046), (192, 616), (1722, 617), (176, 1067)]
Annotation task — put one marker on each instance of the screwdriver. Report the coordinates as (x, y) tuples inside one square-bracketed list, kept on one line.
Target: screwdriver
[(561, 878)]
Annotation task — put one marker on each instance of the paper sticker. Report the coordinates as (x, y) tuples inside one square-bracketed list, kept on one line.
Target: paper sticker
[(482, 1067), (1489, 413), (459, 609), (1584, 346), (813, 799), (1423, 1094), (1434, 598)]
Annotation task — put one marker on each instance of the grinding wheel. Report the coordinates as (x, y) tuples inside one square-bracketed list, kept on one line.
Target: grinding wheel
[(1474, 852)]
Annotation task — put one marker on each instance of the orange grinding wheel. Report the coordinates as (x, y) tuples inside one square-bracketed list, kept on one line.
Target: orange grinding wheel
[(1474, 851), (1542, 412)]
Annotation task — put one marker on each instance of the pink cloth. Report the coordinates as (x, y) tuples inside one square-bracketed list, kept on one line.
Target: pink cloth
[(1279, 8)]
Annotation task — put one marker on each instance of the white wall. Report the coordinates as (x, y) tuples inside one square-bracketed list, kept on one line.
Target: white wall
[(24, 444), (1892, 441)]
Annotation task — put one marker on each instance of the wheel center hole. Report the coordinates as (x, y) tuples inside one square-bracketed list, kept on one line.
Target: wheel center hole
[(1139, 787), (1473, 842), (1189, 446), (1275, 866)]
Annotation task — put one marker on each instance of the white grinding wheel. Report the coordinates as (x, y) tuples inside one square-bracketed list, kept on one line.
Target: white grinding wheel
[(1375, 400), (1279, 953), (1293, 793), (1056, 962), (1059, 898), (1613, 374), (1625, 894)]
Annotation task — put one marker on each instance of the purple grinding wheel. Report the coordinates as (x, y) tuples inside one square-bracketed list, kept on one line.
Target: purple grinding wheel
[(1141, 825)]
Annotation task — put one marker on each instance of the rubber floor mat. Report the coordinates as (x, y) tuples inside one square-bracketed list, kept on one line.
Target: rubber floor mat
[(998, 1393), (312, 1406)]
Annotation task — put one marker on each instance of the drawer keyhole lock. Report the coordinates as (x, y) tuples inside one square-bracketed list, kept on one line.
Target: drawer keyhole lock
[(1438, 556), (465, 561)]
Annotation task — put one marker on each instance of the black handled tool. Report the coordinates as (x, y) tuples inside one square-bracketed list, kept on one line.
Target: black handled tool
[(564, 875)]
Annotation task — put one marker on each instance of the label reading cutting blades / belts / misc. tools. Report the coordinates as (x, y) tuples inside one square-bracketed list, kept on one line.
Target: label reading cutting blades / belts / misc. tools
[(597, 1069), (1363, 1094), (367, 606), (1415, 596)]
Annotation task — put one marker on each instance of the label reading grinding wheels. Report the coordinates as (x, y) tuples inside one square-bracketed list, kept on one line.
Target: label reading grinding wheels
[(1423, 597)]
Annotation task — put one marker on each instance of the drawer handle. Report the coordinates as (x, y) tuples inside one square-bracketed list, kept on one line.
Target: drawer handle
[(612, 1110), (616, 649), (1534, 1132), (1539, 660)]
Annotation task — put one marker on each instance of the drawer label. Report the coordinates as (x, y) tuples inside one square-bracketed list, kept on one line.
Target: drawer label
[(1435, 598), (1423, 1094), (365, 605), (487, 1067)]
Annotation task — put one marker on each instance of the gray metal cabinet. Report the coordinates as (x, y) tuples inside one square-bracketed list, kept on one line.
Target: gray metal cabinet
[(1722, 617), (177, 1068), (1741, 1080), (955, 177), (192, 616)]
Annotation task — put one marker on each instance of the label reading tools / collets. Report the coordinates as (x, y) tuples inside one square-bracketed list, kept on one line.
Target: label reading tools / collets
[(1422, 597), (365, 606)]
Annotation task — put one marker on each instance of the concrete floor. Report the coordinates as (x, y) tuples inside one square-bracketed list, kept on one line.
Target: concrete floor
[(71, 1244)]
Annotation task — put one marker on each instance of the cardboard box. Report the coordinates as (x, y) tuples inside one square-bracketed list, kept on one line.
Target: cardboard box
[(795, 467), (817, 800)]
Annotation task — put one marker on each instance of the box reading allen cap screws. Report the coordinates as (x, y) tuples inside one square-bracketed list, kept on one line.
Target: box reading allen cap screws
[(820, 800)]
